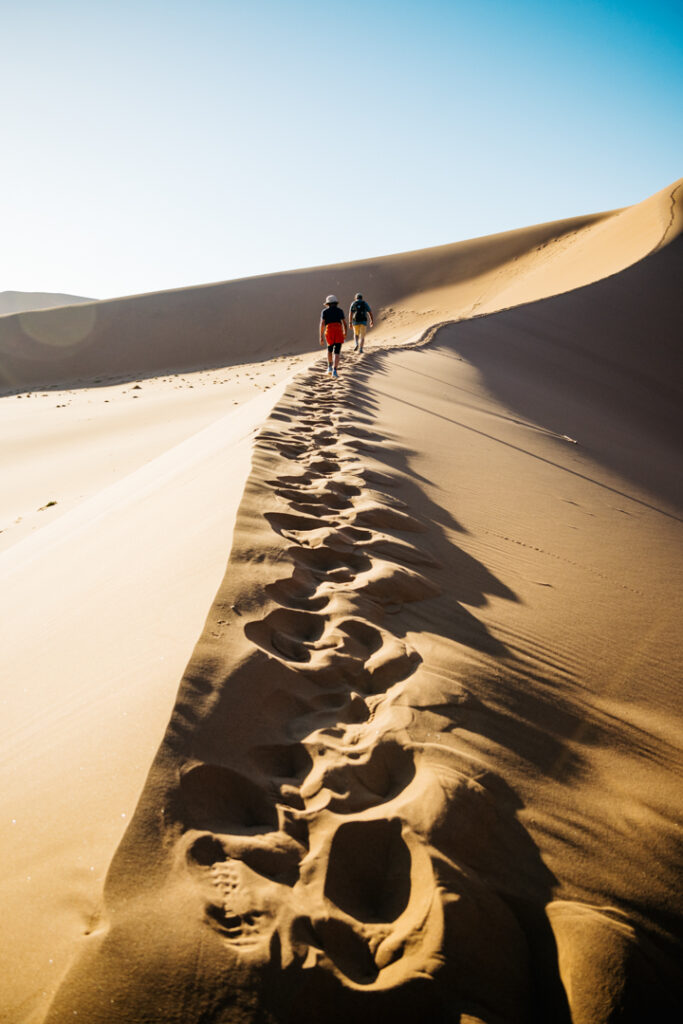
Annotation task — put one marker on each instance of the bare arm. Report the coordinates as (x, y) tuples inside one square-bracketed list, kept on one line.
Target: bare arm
[(322, 331)]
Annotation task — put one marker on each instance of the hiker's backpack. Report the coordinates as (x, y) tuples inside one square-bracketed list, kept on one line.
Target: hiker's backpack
[(359, 309)]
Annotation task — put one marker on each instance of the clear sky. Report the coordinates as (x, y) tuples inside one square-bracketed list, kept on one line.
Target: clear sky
[(151, 144)]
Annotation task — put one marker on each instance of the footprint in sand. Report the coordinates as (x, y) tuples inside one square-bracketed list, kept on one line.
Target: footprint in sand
[(328, 650)]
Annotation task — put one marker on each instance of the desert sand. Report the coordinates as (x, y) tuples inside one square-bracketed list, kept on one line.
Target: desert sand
[(354, 699)]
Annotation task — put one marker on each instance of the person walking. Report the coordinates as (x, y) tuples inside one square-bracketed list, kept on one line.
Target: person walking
[(359, 316), (333, 330)]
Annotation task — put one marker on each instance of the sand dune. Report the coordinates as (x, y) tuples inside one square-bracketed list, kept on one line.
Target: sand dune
[(22, 302), (257, 318), (425, 756)]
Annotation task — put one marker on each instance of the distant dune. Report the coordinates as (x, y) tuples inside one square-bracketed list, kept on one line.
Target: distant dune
[(22, 302), (424, 760)]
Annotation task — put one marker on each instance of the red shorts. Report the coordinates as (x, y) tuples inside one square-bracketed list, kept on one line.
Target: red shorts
[(334, 334)]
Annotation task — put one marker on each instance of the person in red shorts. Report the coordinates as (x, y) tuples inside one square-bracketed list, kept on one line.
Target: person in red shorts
[(332, 332)]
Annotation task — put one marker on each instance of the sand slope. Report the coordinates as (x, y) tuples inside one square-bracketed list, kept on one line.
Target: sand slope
[(425, 758), (63, 446), (257, 318), (102, 598)]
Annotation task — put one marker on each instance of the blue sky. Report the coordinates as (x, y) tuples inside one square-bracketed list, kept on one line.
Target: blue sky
[(150, 145)]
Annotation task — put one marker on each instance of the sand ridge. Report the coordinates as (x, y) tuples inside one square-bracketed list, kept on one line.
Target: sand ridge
[(256, 318), (335, 838), (425, 752), (325, 858)]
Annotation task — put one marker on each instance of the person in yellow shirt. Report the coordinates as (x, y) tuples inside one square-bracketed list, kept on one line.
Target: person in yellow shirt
[(360, 315)]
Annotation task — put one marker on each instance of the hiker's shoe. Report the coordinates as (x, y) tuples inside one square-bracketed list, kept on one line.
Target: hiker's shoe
[(329, 367), (335, 374), (355, 347)]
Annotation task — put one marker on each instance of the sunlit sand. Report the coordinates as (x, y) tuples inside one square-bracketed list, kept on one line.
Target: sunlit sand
[(344, 700)]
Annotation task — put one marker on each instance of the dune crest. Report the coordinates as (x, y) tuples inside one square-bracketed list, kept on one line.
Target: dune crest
[(305, 820), (261, 317)]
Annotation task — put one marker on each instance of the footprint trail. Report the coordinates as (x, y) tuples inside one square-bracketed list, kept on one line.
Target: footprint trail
[(314, 842)]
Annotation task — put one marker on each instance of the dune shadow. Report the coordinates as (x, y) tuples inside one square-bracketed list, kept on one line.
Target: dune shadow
[(610, 349), (552, 719)]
